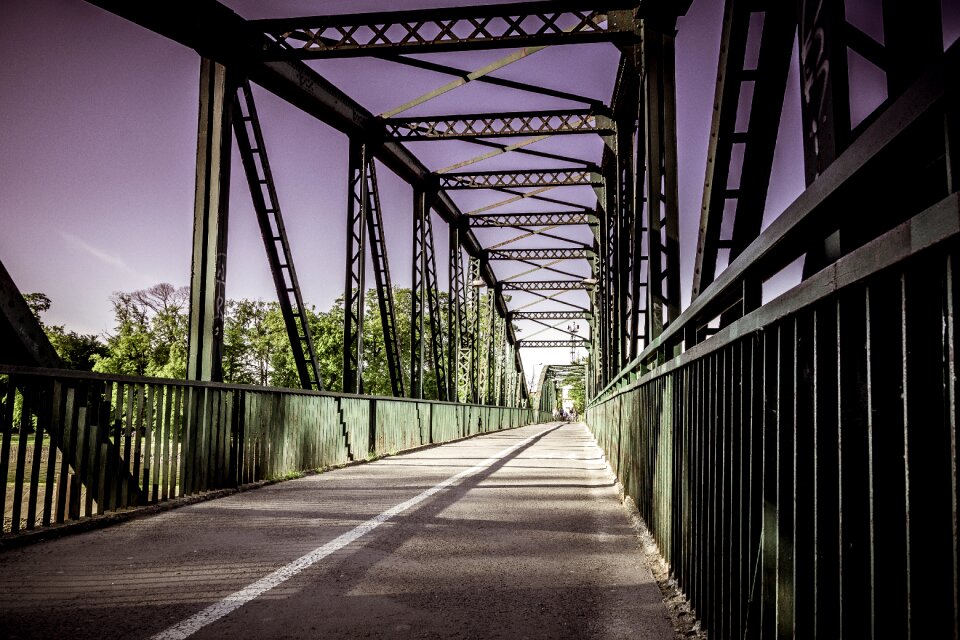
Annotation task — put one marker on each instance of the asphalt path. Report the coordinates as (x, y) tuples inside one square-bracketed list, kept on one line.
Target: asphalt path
[(515, 534)]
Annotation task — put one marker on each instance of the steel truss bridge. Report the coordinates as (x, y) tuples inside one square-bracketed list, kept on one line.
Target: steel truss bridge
[(794, 458)]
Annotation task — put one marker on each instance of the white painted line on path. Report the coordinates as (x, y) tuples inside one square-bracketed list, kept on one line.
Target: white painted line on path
[(234, 601)]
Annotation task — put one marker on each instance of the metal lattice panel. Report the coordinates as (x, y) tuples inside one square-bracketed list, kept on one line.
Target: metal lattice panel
[(458, 28), (516, 123), (498, 179), (256, 164), (546, 285), (539, 254), (531, 219), (551, 343), (549, 315)]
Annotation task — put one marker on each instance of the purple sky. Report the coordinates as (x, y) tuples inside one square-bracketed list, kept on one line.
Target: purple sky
[(98, 141)]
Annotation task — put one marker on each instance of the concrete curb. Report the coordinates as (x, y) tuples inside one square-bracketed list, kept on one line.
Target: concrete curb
[(686, 625)]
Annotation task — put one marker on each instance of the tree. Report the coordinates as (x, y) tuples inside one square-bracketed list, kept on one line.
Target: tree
[(76, 351), (576, 380), (150, 333)]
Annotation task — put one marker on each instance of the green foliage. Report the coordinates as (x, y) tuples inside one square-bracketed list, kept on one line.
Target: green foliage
[(38, 303), (151, 332), (77, 351), (577, 382)]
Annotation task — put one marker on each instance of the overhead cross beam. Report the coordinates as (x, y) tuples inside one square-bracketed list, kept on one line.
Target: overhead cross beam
[(531, 219), (545, 285), (549, 315), (539, 254), (522, 178), (490, 125), (292, 81), (521, 24), (551, 343)]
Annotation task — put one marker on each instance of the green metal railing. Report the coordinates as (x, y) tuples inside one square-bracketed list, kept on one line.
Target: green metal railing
[(76, 444), (798, 469)]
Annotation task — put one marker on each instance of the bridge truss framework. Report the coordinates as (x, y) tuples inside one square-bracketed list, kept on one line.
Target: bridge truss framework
[(754, 441)]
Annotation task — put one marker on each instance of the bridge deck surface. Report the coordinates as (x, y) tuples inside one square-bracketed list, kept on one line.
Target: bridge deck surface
[(528, 541)]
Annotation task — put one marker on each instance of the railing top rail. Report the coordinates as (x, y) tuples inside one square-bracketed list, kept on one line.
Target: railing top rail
[(935, 225), (72, 374)]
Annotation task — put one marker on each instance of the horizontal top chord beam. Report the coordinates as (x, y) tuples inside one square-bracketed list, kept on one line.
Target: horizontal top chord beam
[(531, 219), (545, 285), (551, 343), (540, 254), (489, 125), (536, 178), (548, 315), (521, 24)]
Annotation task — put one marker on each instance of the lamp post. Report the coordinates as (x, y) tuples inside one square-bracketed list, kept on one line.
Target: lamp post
[(572, 330), (533, 377)]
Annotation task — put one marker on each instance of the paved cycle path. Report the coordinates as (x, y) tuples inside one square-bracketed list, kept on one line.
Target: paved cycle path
[(515, 534)]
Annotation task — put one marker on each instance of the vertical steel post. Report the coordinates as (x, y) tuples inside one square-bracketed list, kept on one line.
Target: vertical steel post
[(464, 329), (630, 133), (417, 286), (824, 103), (354, 286), (601, 299), (381, 272), (210, 214), (432, 295), (454, 312), (662, 219), (608, 196), (474, 318)]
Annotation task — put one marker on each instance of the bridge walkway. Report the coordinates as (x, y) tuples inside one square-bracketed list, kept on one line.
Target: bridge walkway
[(513, 534)]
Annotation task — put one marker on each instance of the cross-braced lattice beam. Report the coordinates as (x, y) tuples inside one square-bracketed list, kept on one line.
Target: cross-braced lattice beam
[(541, 178), (266, 204), (561, 218), (448, 29), (549, 315), (539, 254), (545, 285), (551, 343), (514, 123), (355, 278)]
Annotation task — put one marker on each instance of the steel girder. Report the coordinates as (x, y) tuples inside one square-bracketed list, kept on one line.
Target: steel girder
[(421, 208), (548, 315), (544, 285), (530, 219), (473, 316), (23, 340), (432, 293), (455, 312), (355, 272), (551, 343), (210, 216), (662, 219), (490, 125), (253, 154), (364, 216), (912, 41), (383, 281), (294, 82), (522, 24), (525, 178), (539, 254), (758, 141)]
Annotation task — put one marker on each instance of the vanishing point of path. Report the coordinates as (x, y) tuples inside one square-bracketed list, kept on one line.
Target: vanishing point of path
[(515, 534)]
